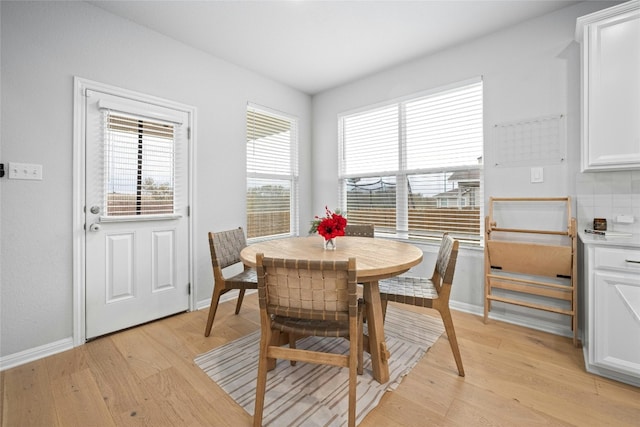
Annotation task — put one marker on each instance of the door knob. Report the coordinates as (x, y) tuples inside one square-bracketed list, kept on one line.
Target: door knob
[(94, 227)]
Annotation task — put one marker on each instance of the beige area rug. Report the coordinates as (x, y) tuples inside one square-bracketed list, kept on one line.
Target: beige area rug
[(316, 395)]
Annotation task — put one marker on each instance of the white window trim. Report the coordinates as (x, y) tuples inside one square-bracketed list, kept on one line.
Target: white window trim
[(294, 177)]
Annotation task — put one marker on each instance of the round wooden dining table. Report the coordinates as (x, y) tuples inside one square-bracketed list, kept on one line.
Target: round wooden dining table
[(376, 259)]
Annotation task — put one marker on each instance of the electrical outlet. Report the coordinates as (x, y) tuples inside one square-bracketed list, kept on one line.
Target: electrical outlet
[(25, 171), (624, 219)]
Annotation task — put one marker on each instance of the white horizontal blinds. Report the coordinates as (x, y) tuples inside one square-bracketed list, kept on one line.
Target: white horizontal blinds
[(444, 143), (444, 130), (268, 144), (415, 166), (371, 142), (368, 165), (139, 165), (272, 170)]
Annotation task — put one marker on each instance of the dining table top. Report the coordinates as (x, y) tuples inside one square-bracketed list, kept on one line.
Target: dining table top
[(376, 258)]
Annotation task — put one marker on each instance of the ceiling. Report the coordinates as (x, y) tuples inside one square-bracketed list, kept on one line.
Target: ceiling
[(313, 46)]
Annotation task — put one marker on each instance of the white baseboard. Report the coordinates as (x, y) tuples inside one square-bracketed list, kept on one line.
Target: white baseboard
[(35, 353)]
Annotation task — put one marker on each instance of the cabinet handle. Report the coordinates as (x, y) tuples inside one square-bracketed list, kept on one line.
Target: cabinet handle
[(632, 261)]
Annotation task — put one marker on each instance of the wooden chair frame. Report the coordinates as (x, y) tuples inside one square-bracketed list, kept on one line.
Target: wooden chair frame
[(225, 247), (429, 293), (288, 306)]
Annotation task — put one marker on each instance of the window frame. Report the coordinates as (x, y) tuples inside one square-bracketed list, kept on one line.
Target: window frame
[(291, 177), (402, 172), (118, 133)]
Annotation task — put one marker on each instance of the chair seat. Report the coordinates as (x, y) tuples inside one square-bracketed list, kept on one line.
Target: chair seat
[(408, 290), (243, 278), (316, 327), (305, 327)]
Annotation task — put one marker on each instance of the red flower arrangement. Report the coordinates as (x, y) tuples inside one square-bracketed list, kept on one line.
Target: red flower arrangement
[(329, 226)]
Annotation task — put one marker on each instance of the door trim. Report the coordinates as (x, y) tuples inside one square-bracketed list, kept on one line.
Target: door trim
[(80, 86)]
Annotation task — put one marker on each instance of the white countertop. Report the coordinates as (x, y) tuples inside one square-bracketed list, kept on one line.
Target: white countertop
[(632, 241)]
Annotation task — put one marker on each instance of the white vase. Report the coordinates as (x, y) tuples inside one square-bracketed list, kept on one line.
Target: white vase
[(330, 244)]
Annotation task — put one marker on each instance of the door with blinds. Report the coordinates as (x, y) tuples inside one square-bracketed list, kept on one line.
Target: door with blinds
[(136, 212)]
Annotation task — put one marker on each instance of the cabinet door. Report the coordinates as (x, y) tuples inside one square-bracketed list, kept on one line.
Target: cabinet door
[(616, 322), (612, 79)]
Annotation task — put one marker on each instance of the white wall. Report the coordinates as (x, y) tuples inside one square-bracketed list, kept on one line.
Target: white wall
[(44, 45), (530, 70)]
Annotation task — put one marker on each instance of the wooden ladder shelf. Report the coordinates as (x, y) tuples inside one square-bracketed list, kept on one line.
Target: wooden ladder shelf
[(522, 268)]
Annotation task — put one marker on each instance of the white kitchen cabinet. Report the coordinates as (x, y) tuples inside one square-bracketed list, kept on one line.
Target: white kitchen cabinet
[(610, 57), (611, 279)]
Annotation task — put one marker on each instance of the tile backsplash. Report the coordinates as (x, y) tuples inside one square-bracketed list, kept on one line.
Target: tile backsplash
[(607, 195)]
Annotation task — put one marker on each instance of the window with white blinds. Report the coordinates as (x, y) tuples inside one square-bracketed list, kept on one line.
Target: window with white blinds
[(414, 167), (272, 173), (139, 165)]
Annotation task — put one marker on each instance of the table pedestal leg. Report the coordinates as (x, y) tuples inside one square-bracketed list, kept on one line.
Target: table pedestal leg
[(375, 326)]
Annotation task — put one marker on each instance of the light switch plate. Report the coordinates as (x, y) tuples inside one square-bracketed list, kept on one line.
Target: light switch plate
[(25, 171), (537, 175)]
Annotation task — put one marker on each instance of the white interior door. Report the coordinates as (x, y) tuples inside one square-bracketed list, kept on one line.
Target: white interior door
[(136, 213)]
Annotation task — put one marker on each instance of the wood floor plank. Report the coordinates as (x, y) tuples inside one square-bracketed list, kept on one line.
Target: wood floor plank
[(27, 396), (2, 397), (78, 400), (137, 349), (146, 376), (174, 393), (168, 342), (67, 363), (118, 383), (497, 412), (405, 413)]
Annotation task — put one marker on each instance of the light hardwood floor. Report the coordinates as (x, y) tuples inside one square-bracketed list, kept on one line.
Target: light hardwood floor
[(146, 376)]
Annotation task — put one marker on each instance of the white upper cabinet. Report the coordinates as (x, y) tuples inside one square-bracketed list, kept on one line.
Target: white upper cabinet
[(610, 42)]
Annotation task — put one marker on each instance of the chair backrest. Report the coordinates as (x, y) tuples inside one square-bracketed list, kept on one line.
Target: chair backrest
[(359, 230), (445, 263), (225, 247), (304, 289)]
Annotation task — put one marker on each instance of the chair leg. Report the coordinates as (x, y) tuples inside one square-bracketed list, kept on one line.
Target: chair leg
[(276, 340), (353, 380), (361, 342), (445, 313), (261, 382), (239, 302), (292, 344), (215, 299), (384, 303)]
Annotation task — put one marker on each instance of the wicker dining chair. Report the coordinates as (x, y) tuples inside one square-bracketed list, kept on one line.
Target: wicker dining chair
[(359, 230), (225, 247), (307, 298), (430, 293)]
